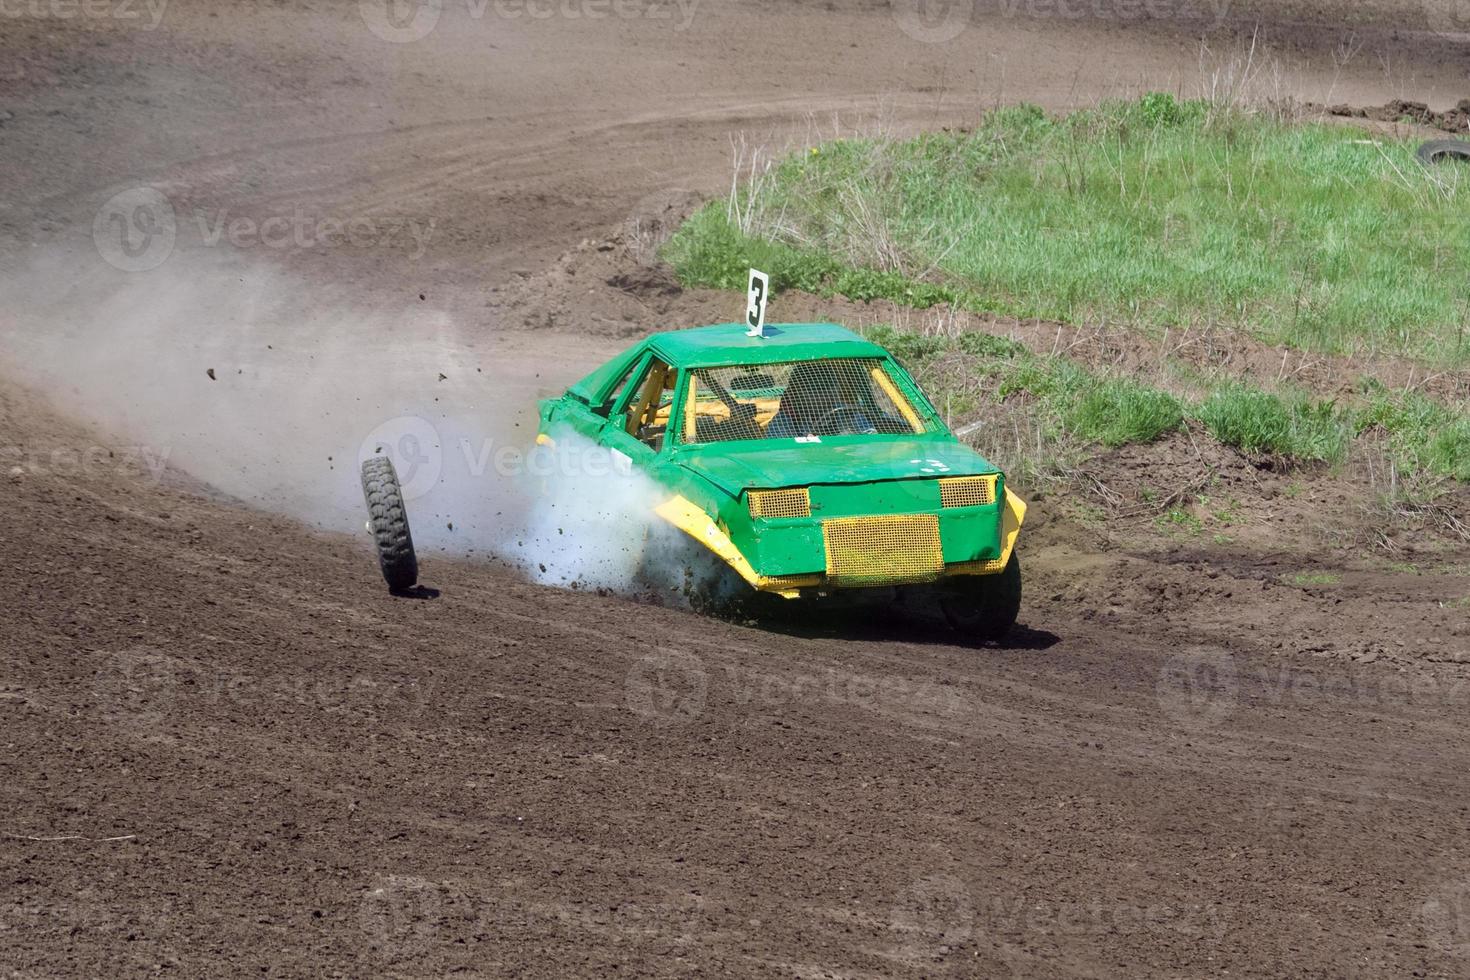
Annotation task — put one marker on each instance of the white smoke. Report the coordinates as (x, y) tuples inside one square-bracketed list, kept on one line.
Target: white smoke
[(273, 392), (258, 385), (591, 524)]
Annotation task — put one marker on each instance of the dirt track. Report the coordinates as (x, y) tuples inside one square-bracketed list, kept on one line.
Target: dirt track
[(1192, 761)]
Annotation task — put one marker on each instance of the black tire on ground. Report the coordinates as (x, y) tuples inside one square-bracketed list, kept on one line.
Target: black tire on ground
[(388, 522), (1443, 151), (984, 607)]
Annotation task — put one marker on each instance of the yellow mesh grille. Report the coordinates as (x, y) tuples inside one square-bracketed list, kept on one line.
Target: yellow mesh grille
[(883, 550), (781, 583), (977, 568), (780, 503), (967, 491)]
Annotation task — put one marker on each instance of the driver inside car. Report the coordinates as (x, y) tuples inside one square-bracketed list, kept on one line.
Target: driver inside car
[(817, 403)]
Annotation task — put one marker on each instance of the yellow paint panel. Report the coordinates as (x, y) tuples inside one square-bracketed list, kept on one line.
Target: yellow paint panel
[(765, 410), (693, 521), (691, 403), (883, 381), (1010, 529), (1010, 525)]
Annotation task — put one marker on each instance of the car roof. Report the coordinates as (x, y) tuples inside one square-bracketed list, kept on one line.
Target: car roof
[(730, 343)]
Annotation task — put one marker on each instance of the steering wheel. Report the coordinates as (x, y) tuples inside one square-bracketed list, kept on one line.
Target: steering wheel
[(843, 419)]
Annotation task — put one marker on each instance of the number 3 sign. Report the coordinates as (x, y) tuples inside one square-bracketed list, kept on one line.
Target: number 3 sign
[(756, 295)]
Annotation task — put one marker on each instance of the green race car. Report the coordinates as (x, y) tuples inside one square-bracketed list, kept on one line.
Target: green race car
[(806, 460)]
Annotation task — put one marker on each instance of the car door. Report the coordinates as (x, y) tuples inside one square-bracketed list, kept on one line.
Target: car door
[(638, 424), (587, 412)]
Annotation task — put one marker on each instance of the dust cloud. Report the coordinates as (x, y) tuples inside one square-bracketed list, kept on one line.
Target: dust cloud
[(273, 392), (265, 388)]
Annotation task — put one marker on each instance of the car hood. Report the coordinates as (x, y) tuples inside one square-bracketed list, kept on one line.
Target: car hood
[(786, 463)]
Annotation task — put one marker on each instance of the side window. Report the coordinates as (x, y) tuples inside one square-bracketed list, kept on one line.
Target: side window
[(650, 405), (619, 391)]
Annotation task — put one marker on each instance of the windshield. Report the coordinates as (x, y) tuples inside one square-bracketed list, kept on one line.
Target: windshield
[(796, 400)]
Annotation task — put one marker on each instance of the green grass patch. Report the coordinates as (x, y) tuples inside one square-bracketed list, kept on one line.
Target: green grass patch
[(1157, 213), (1119, 411), (969, 373), (1090, 406), (1425, 436), (1262, 423)]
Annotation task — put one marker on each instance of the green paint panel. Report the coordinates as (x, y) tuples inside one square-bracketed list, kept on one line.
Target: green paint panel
[(728, 343)]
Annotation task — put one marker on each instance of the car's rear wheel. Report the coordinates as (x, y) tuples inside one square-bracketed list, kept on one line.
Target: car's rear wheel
[(388, 523), (983, 607)]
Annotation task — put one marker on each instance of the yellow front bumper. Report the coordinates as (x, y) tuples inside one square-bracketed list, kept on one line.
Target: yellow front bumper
[(693, 521)]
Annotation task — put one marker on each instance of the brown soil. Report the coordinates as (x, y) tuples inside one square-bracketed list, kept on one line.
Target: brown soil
[(228, 751), (1456, 120)]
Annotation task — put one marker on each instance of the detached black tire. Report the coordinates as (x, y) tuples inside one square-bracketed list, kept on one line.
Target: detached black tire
[(1443, 151), (388, 522), (984, 607)]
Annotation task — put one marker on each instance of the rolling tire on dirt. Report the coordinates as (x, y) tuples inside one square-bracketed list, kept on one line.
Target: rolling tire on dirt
[(984, 607), (1443, 151), (388, 524)]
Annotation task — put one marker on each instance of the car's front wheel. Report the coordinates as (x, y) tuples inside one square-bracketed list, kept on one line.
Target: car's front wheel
[(983, 607)]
